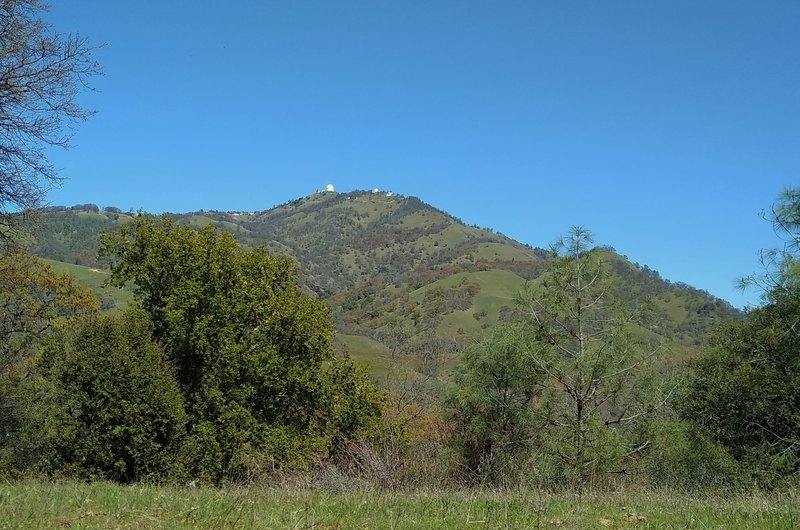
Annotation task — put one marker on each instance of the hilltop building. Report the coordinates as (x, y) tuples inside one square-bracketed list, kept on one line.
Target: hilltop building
[(328, 189)]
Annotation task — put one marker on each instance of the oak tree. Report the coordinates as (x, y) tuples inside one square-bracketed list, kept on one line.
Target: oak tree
[(253, 354)]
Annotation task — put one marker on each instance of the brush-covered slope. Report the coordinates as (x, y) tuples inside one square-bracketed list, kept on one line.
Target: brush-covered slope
[(342, 240), (401, 272)]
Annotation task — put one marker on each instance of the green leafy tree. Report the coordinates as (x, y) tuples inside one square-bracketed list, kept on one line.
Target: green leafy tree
[(491, 404), (745, 390), (33, 301), (356, 405), (686, 458), (111, 407), (253, 354)]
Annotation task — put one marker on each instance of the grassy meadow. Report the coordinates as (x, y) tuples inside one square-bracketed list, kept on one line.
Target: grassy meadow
[(29, 504), (94, 279)]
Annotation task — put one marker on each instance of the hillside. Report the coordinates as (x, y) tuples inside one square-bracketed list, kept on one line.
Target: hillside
[(398, 271)]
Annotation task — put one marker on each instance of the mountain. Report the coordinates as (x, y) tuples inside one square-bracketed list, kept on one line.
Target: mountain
[(400, 275)]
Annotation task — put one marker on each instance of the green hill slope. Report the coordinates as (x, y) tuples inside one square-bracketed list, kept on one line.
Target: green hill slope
[(111, 298), (400, 275)]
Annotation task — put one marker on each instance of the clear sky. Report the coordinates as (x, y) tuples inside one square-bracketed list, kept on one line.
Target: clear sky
[(665, 127)]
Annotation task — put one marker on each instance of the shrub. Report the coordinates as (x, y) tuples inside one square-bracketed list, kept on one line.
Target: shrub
[(745, 391), (115, 410), (683, 457)]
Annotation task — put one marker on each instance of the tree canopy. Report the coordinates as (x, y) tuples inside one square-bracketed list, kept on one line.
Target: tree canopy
[(115, 409), (34, 301), (562, 380), (252, 353), (745, 390)]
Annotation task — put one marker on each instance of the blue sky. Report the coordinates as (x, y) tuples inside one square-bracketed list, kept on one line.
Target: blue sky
[(665, 127)]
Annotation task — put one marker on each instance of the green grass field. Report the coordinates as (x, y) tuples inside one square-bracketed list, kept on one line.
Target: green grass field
[(103, 505), (377, 357), (93, 279)]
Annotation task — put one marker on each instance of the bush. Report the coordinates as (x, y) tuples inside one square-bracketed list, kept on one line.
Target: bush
[(112, 407), (684, 458), (745, 391), (490, 405), (252, 353), (33, 299)]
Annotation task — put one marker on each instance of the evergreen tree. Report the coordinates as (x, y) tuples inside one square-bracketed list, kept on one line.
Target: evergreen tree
[(593, 364), (111, 406)]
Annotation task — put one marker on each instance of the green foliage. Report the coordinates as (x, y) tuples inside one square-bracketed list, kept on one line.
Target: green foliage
[(355, 404), (252, 353), (786, 221), (583, 344), (684, 458), (71, 236), (33, 300), (117, 409), (745, 390), (491, 404)]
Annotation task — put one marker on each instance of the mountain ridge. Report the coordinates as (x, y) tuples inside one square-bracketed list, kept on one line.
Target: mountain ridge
[(398, 270)]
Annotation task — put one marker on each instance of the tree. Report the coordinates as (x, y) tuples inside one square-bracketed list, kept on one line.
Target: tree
[(745, 390), (564, 385), (396, 335), (780, 273), (491, 404), (41, 73), (592, 364), (252, 353), (114, 409), (33, 299)]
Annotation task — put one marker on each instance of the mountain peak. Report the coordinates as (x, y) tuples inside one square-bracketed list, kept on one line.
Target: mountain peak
[(383, 260)]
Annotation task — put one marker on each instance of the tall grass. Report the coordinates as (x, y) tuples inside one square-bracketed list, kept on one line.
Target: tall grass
[(32, 504)]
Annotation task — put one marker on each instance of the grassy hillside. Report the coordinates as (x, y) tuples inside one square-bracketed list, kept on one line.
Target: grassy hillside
[(495, 291), (400, 275), (111, 298), (70, 235)]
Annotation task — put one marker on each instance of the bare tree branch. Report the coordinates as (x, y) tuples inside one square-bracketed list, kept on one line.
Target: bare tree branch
[(41, 74)]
